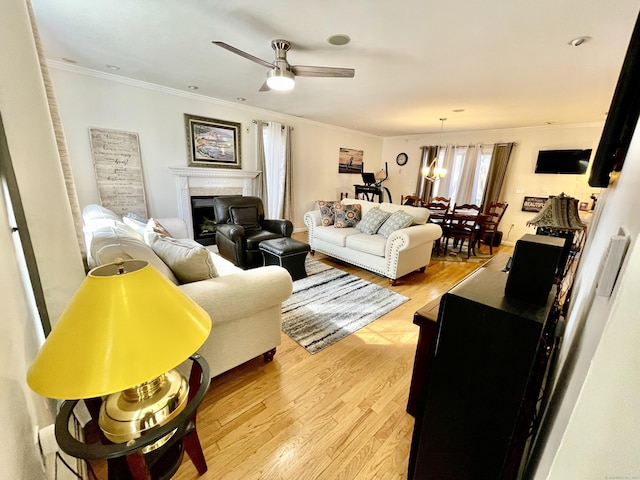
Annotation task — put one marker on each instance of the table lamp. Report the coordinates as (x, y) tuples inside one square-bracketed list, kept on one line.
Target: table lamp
[(560, 213), (121, 336)]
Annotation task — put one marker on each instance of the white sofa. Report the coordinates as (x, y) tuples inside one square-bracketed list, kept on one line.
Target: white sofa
[(404, 251), (244, 305)]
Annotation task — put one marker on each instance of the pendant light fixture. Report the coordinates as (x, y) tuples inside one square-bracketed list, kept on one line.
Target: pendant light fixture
[(433, 172)]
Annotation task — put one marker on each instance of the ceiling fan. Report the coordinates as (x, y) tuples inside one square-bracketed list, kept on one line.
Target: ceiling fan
[(281, 75)]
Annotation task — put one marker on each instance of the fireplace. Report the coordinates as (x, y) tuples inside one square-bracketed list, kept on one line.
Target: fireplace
[(203, 183), (204, 225)]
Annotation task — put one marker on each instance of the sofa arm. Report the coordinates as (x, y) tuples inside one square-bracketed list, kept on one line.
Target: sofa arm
[(232, 244), (281, 227), (313, 219), (414, 235), (240, 294)]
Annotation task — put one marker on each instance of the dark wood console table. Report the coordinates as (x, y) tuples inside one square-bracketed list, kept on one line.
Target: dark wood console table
[(482, 363)]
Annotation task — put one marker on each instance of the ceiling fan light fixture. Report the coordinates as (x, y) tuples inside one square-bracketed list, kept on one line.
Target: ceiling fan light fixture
[(279, 79)]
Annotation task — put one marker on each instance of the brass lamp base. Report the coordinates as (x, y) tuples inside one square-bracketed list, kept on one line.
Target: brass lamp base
[(128, 414)]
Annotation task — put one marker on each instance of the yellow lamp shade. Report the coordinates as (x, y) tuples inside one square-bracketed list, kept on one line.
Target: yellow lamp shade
[(120, 329)]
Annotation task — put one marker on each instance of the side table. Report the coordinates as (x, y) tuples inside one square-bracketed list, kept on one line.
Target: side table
[(125, 460)]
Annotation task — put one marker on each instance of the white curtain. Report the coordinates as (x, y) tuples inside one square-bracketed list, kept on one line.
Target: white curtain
[(262, 162), (468, 176), (277, 170), (445, 187)]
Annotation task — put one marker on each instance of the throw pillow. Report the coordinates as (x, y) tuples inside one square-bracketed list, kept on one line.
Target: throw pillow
[(136, 224), (137, 216), (188, 263), (245, 215), (155, 226), (396, 221), (327, 211), (372, 220), (347, 215)]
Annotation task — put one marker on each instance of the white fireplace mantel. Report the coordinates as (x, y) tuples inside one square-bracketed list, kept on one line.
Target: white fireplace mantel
[(211, 181)]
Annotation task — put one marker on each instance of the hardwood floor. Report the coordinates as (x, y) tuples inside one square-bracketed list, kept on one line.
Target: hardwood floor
[(338, 414)]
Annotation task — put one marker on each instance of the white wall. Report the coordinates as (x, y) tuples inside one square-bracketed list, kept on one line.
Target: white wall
[(92, 99), (402, 180), (592, 427), (34, 155)]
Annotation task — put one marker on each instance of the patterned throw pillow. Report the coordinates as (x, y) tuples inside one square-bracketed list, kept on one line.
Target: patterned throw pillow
[(396, 221), (347, 215), (327, 212), (372, 220)]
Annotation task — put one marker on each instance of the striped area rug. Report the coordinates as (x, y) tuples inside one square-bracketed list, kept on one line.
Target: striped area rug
[(330, 304)]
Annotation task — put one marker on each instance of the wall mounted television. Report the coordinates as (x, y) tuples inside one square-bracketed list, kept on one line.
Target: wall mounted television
[(571, 162)]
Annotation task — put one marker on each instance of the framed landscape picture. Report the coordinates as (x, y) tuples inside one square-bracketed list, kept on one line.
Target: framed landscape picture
[(212, 143)]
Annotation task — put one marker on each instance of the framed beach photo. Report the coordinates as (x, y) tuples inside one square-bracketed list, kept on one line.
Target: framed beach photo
[(212, 143)]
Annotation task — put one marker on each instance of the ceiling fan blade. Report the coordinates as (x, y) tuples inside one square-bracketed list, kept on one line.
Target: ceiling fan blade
[(246, 55), (264, 87), (311, 71)]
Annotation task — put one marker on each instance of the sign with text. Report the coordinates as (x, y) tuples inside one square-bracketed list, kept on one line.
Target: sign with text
[(533, 204), (118, 165)]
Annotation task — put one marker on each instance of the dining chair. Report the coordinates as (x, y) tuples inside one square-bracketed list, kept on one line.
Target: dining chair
[(489, 222), (442, 200), (461, 226), (438, 214), (411, 200)]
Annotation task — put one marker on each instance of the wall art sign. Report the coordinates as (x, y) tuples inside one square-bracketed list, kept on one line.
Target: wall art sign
[(212, 143), (118, 166), (533, 204), (350, 161)]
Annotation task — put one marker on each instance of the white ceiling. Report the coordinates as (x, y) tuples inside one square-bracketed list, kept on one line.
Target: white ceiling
[(507, 63)]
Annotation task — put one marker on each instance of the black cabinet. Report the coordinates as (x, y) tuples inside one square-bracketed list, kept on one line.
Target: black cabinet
[(484, 367)]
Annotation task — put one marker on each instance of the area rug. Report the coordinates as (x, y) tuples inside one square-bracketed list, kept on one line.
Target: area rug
[(330, 304), (453, 255)]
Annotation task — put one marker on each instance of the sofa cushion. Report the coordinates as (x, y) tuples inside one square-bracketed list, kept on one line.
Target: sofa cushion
[(335, 236), (98, 212), (245, 215), (372, 220), (155, 226), (347, 215), (189, 263), (137, 225), (327, 211), (373, 244), (106, 246), (396, 221), (420, 214)]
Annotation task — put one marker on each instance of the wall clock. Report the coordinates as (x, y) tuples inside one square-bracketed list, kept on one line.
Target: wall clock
[(402, 159)]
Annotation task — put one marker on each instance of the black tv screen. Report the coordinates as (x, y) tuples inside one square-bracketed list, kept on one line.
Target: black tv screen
[(573, 162)]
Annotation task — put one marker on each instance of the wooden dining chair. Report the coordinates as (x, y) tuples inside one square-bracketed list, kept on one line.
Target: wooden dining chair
[(438, 214), (412, 200), (441, 200), (489, 222), (461, 226)]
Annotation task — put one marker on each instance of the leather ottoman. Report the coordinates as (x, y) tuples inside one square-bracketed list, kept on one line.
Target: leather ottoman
[(288, 253)]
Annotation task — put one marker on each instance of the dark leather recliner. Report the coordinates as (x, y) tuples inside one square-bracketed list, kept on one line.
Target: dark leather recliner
[(241, 228)]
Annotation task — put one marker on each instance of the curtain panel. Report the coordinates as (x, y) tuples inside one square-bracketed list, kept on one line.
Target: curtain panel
[(424, 186), (60, 139), (497, 171), (274, 159)]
